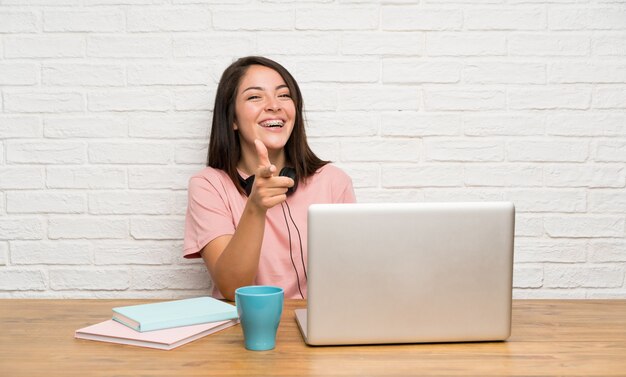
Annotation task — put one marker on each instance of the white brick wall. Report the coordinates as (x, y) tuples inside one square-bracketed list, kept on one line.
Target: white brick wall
[(105, 108)]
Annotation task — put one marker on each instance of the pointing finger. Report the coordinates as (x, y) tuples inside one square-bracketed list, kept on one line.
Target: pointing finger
[(261, 151)]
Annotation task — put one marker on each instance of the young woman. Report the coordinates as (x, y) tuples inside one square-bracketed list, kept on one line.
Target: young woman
[(247, 211)]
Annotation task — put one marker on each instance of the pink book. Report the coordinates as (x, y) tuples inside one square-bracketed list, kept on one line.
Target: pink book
[(167, 339)]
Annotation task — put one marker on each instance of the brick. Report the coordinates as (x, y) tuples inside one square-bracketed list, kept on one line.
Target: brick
[(171, 74), (128, 46), (45, 202), (609, 97), (320, 98), (546, 293), (18, 22), (18, 73), (89, 279), (20, 228), (416, 124), (510, 175), (587, 19), (50, 152), (160, 178), (595, 175), (575, 72), (90, 126), (504, 124), (42, 2), (435, 175), (87, 227), (191, 153), (525, 44), (527, 277), (129, 153), (461, 194), (254, 19), (362, 174), (22, 177), (541, 200), (326, 149), (85, 177), (466, 44), (20, 126), (22, 280), (133, 253), (43, 102), (585, 226), (563, 97), (346, 123), (157, 228), (376, 97), (463, 150), (555, 150), (337, 18), (403, 18), (378, 150), (382, 43), (389, 196), (214, 45), (609, 45), (64, 74), (4, 253), (168, 278), (531, 250), (130, 100), (101, 20), (606, 294), (50, 253), (338, 71), (464, 99), (168, 19), (170, 126), (130, 203), (564, 276), (180, 204), (607, 251), (47, 46), (504, 73), (527, 225), (607, 201), (131, 2), (610, 151), (587, 124), (194, 99), (415, 71), (505, 19)]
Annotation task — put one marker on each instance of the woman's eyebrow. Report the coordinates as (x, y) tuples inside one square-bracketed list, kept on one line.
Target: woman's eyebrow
[(261, 88)]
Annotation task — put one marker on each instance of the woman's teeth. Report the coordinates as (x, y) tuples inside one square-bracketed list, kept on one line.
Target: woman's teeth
[(272, 123)]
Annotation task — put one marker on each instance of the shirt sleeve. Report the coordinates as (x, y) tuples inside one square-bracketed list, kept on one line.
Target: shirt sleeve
[(208, 215)]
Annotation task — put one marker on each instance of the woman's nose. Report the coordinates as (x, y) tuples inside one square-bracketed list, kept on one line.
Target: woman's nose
[(273, 104)]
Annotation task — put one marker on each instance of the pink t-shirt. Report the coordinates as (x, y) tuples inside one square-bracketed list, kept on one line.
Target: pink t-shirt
[(215, 207)]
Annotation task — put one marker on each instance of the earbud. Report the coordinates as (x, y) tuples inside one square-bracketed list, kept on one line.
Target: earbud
[(284, 172)]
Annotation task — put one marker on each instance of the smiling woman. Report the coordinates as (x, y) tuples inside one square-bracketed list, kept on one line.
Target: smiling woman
[(239, 205)]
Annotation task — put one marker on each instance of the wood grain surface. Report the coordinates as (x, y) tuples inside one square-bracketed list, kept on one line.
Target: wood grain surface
[(549, 337)]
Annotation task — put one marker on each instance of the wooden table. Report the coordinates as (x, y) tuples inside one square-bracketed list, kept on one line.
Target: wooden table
[(549, 337)]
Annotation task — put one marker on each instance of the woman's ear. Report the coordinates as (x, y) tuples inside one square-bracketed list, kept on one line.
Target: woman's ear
[(235, 126)]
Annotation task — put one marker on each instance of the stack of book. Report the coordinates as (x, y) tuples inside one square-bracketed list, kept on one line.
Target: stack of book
[(163, 325)]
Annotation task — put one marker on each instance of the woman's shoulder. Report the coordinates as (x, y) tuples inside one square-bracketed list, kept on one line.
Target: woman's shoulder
[(209, 176), (332, 171)]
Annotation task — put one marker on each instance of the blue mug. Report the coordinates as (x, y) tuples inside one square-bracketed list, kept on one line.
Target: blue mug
[(259, 308)]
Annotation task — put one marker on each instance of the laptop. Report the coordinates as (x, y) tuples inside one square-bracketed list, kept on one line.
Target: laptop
[(408, 273)]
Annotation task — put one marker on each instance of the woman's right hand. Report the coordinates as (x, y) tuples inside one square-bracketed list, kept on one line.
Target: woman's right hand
[(268, 190)]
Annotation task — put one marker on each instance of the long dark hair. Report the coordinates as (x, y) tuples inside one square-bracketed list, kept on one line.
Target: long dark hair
[(224, 145)]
